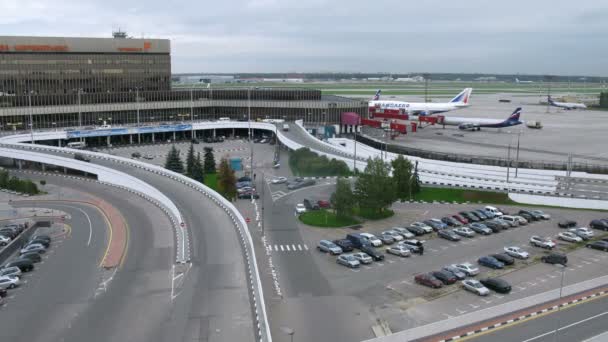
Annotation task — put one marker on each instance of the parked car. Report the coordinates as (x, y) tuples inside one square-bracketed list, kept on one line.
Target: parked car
[(416, 230), (300, 208), (348, 260), (566, 224), (245, 184), (399, 250), (135, 155), (527, 217), (476, 287), (372, 239), (584, 232), (35, 247), (327, 246), (427, 279), (511, 220), (600, 245), (542, 214), (412, 244), (494, 210), (3, 294), (248, 194), (451, 222), (489, 214), (10, 271), (532, 216), (425, 227), (598, 224), (33, 256), (496, 284), (447, 278), (363, 258), (499, 222), (460, 219), (481, 228), (8, 233), (372, 252), (456, 272), (396, 236), (490, 262), (403, 232), (448, 234), (345, 244), (23, 264), (358, 240), (323, 204), (42, 242), (517, 252), (542, 242), (299, 185), (464, 231), (569, 236), (522, 220), (469, 216), (9, 282), (555, 258), (436, 224), (504, 258), (467, 268), (4, 240), (386, 239), (278, 180), (310, 205), (480, 214)]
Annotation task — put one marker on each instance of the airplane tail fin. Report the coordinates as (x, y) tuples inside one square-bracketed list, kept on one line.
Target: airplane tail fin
[(516, 80), (377, 96), (550, 100), (463, 97), (515, 115)]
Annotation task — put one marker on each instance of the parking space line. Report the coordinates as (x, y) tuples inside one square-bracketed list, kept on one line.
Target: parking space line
[(299, 247), (542, 280), (354, 270), (305, 247), (461, 311), (294, 247), (498, 296), (390, 261), (474, 306), (444, 247), (406, 282), (486, 301), (579, 266), (570, 269)]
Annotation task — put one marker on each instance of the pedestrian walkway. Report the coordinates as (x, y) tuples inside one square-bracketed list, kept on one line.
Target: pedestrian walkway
[(287, 248)]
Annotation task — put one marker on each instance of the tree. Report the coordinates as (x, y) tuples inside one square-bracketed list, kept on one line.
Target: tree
[(174, 162), (402, 174), (374, 189), (415, 187), (342, 199), (209, 161), (190, 161), (197, 169), (4, 179), (226, 181)]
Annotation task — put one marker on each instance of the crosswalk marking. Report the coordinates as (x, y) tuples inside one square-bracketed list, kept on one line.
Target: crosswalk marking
[(276, 248), (294, 247), (281, 248), (289, 248), (300, 247), (305, 247)]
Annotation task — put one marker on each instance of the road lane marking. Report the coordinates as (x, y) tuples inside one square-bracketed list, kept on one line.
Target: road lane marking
[(294, 247), (299, 247), (281, 248), (287, 247), (566, 327), (305, 247)]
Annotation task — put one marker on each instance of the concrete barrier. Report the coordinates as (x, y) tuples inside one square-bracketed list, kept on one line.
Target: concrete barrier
[(19, 241)]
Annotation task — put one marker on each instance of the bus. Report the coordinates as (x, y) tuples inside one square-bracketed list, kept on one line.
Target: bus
[(77, 144)]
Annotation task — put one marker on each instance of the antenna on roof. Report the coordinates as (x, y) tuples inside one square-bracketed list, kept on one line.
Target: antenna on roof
[(119, 34)]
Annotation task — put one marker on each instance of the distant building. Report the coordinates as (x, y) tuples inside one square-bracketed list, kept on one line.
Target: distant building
[(410, 79), (196, 79)]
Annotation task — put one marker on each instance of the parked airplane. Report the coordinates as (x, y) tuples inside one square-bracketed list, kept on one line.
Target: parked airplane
[(475, 124), (566, 105), (522, 82), (417, 108)]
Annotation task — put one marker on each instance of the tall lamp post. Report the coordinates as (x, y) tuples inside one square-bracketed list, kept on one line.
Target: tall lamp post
[(137, 109), (561, 286), (29, 100), (249, 123)]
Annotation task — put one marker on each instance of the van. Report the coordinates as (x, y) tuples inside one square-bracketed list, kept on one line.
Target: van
[(285, 127), (358, 240), (493, 210), (512, 220)]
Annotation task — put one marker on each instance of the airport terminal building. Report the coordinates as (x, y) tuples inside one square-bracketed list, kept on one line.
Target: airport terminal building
[(53, 82)]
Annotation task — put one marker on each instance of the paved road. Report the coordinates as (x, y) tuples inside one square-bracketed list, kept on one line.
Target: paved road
[(576, 323)]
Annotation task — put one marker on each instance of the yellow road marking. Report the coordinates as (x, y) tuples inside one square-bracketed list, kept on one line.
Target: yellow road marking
[(126, 250), (105, 254)]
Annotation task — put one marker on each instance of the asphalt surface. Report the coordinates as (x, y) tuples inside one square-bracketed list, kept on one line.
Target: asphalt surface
[(571, 324)]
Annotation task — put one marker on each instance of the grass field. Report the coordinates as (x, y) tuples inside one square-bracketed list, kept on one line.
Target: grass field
[(370, 215), (326, 219), (429, 194)]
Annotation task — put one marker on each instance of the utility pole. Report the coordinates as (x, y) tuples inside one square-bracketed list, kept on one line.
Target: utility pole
[(517, 155), (426, 86), (29, 100), (249, 123), (508, 164), (137, 108), (355, 156), (192, 114)]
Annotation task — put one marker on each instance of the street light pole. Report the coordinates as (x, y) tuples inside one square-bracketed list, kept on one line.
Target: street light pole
[(192, 114), (561, 286), (517, 155), (137, 108), (355, 156), (508, 164), (29, 100), (249, 123)]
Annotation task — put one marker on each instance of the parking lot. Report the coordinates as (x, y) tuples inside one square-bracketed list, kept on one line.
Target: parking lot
[(389, 289)]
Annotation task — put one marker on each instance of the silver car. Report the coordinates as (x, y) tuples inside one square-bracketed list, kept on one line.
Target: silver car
[(517, 252), (476, 287), (327, 246), (404, 232), (372, 239), (464, 231), (522, 221), (9, 282), (35, 247), (363, 258), (399, 250), (348, 260), (394, 234), (425, 227), (10, 271), (569, 236), (584, 232), (467, 268), (541, 214)]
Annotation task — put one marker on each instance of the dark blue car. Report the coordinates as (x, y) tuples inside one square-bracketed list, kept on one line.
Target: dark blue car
[(490, 262)]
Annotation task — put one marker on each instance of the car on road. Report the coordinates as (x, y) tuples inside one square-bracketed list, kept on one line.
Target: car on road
[(555, 258), (372, 239), (348, 260), (248, 194), (566, 224), (569, 236), (278, 180), (490, 262), (460, 219), (425, 227), (82, 157), (403, 232), (494, 210), (436, 224), (476, 287), (363, 258), (481, 228), (135, 155), (327, 246), (372, 252), (300, 208), (496, 284), (245, 184), (9, 282), (10, 271), (386, 239), (517, 252), (427, 279), (511, 220), (32, 256), (35, 247), (449, 235), (469, 269), (23, 265), (396, 236), (541, 214), (416, 230), (399, 250), (148, 156), (4, 240), (470, 216), (464, 231), (447, 278), (542, 242), (456, 272), (345, 244), (599, 224), (600, 245), (451, 222), (504, 258), (583, 232)]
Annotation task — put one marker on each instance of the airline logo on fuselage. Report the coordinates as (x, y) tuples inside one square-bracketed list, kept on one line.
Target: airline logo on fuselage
[(392, 105)]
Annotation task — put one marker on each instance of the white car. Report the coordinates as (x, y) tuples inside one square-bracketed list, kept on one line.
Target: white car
[(584, 232), (9, 282), (278, 180), (425, 227), (403, 232), (300, 208), (468, 268), (522, 221), (4, 240), (542, 242), (394, 234), (517, 252), (569, 236), (541, 214), (476, 287), (372, 239), (363, 258), (348, 260), (464, 231), (35, 247), (399, 250), (493, 210)]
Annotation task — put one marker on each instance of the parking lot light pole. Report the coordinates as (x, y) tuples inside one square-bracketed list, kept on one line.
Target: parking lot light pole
[(561, 286)]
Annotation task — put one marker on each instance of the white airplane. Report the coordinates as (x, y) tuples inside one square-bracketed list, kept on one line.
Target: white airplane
[(417, 108), (475, 124), (566, 105), (522, 82)]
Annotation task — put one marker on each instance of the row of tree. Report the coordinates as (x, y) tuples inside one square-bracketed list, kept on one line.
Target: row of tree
[(304, 162), (375, 188), (604, 99), (15, 184), (195, 168)]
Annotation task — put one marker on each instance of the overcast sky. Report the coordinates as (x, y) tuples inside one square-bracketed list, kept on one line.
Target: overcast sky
[(514, 36)]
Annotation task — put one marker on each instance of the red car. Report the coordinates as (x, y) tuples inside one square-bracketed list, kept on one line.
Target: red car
[(427, 279), (323, 204), (460, 219)]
